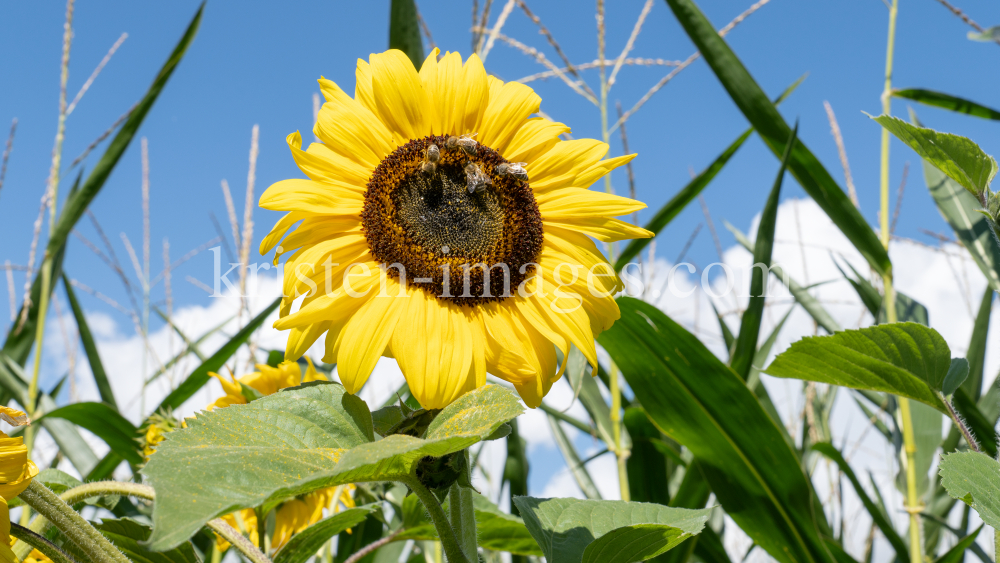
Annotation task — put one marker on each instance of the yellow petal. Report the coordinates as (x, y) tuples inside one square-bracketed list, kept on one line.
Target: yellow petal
[(507, 112), (603, 229), (365, 337), (562, 163), (350, 129), (399, 95), (300, 339), (311, 197), (599, 169), (323, 165), (363, 86), (13, 417), (534, 139), (279, 230), (576, 202)]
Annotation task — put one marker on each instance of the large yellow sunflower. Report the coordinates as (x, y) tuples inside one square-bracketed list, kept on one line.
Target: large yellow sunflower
[(419, 178)]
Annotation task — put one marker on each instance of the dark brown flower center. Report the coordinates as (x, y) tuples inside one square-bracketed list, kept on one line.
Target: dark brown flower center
[(457, 225)]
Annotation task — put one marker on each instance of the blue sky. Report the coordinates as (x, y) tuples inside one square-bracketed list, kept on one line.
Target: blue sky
[(256, 63)]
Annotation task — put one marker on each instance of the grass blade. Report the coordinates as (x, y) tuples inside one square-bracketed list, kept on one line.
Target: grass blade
[(90, 347), (976, 354), (947, 101), (404, 31), (573, 462), (746, 341), (199, 377), (104, 422), (764, 117), (687, 194)]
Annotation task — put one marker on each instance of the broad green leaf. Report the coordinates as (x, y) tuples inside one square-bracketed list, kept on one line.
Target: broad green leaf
[(199, 377), (960, 209), (497, 530), (878, 517), (404, 31), (960, 158), (90, 347), (106, 423), (306, 543), (976, 354), (687, 194), (294, 442), (988, 34), (947, 101), (646, 464), (906, 359), (606, 531), (746, 341), (578, 374), (801, 294), (974, 478), (957, 553), (130, 537), (765, 119), (701, 403)]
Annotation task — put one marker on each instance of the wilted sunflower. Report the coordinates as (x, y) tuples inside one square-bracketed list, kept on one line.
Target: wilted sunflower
[(432, 173)]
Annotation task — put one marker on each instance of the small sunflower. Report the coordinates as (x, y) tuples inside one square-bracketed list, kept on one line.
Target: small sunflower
[(16, 470), (444, 226), (266, 381)]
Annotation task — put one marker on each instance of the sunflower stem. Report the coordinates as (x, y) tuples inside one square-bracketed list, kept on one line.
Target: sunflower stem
[(463, 516), (70, 523), (452, 550), (43, 545)]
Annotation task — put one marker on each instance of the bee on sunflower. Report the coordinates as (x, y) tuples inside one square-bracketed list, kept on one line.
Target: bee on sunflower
[(444, 226)]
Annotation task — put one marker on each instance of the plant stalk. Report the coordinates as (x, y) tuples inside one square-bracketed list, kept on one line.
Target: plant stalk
[(35, 541), (966, 433), (463, 518), (71, 524), (452, 549), (236, 539), (889, 301)]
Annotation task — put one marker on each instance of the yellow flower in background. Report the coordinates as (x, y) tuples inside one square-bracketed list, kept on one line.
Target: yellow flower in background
[(6, 553), (13, 417), (16, 470), (243, 520), (266, 381), (435, 172)]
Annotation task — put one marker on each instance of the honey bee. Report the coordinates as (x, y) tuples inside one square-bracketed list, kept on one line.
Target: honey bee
[(428, 168), (515, 169), (476, 181), (467, 143), (433, 153)]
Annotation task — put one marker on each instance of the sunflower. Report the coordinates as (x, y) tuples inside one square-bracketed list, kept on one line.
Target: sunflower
[(16, 470), (444, 226), (265, 382)]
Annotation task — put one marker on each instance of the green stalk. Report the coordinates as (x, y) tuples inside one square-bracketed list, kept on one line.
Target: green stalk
[(36, 541), (463, 517), (452, 549), (71, 524), (616, 394), (236, 539), (909, 442)]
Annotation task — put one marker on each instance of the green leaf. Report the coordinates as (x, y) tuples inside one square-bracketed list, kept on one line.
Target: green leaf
[(957, 553), (764, 117), (294, 442), (906, 359), (90, 347), (927, 430), (607, 531), (976, 354), (974, 479), (130, 537), (573, 461), (199, 377), (746, 342), (306, 543), (960, 158), (578, 374), (801, 294), (404, 31), (957, 372), (647, 464), (988, 34), (497, 530), (701, 403), (947, 101), (106, 423), (60, 482), (690, 191), (878, 517)]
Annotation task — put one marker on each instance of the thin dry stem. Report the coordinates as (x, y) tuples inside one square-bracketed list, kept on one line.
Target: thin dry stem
[(426, 30), (6, 151), (628, 166), (899, 198), (89, 290), (540, 57), (93, 75), (231, 210), (101, 138), (666, 79), (628, 61), (189, 255), (504, 14), (570, 68), (248, 215), (168, 292), (964, 18), (11, 291), (222, 236), (145, 211), (484, 19), (631, 41), (133, 256), (199, 284), (839, 139), (32, 254), (70, 348)]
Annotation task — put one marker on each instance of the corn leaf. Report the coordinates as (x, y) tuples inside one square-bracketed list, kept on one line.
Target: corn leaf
[(947, 101), (404, 31)]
